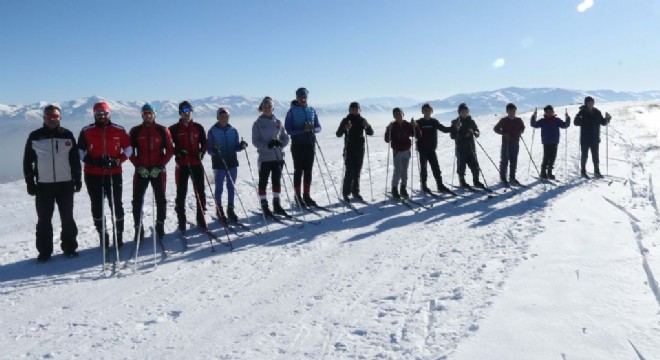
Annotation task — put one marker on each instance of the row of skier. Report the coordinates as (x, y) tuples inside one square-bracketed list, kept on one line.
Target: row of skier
[(53, 172)]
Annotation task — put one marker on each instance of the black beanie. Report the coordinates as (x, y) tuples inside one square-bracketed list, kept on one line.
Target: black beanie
[(462, 107), (587, 99), (511, 106), (184, 104), (549, 108)]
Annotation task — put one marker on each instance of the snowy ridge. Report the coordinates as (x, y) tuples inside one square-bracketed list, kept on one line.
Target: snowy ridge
[(567, 272)]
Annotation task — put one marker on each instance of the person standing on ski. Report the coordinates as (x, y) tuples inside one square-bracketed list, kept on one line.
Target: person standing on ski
[(511, 128), (590, 119), (550, 125), (269, 137), (463, 131), (51, 166), (152, 150), (398, 134), (103, 147), (426, 146), (189, 139), (302, 123), (353, 127), (223, 144)]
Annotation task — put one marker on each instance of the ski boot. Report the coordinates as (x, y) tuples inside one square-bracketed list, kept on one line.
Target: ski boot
[(308, 200), (404, 192), (277, 207), (231, 215), (265, 209), (395, 193)]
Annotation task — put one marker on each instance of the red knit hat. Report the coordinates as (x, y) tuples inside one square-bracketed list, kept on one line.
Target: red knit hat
[(101, 106)]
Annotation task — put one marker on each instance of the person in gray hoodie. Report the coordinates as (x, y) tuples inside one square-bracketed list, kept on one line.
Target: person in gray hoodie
[(269, 137)]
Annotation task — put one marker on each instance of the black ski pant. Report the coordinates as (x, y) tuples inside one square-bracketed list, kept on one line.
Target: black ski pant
[(467, 157), (303, 164), (98, 188), (267, 168), (182, 174), (428, 156), (585, 147), (509, 159), (549, 156), (48, 194), (353, 160), (140, 186)]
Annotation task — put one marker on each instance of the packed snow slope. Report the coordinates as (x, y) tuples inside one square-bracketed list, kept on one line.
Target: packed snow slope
[(561, 271)]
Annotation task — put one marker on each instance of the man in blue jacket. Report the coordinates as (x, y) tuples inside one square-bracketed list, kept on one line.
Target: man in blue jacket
[(302, 123), (550, 125)]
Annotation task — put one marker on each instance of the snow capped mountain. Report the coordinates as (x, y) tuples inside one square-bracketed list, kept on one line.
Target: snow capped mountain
[(526, 99), (480, 103)]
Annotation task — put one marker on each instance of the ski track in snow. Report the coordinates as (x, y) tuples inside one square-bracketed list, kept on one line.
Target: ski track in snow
[(389, 284)]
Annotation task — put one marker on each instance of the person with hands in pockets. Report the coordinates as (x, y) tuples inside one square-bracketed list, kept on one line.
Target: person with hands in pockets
[(51, 166)]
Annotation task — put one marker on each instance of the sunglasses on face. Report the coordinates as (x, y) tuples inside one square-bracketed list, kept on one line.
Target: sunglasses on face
[(186, 110), (101, 113), (53, 117)]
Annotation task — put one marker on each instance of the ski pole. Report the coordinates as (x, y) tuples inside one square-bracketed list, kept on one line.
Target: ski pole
[(233, 183), (327, 193), (217, 207), (453, 169), (326, 168), (607, 149), (103, 232), (286, 191), (387, 168), (412, 159), (474, 154), (529, 165), (153, 225), (371, 183), (488, 156), (199, 204), (532, 161), (114, 219), (256, 189)]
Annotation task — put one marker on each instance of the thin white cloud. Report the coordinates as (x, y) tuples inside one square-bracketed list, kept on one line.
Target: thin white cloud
[(585, 5), (498, 63)]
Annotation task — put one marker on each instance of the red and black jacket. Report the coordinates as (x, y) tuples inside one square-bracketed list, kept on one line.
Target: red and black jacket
[(191, 138), (152, 145), (97, 141)]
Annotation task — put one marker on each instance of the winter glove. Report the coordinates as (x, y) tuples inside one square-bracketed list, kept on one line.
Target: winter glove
[(143, 172), (274, 143), (155, 171), (243, 145), (31, 187), (77, 185), (181, 154), (109, 162)]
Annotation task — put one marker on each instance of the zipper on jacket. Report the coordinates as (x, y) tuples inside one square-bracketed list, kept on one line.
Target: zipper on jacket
[(53, 155)]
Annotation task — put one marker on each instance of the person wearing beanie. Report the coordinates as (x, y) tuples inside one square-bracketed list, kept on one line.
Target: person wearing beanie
[(550, 134), (51, 166), (590, 119), (463, 131), (269, 137), (352, 128), (189, 138), (398, 134), (103, 147), (223, 145), (511, 128), (302, 123), (152, 150), (426, 146)]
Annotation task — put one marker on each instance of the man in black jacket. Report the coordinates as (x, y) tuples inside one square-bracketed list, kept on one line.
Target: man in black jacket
[(353, 127), (426, 146), (463, 131), (51, 166), (590, 119)]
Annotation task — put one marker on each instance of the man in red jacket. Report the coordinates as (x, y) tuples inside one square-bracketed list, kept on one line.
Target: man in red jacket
[(103, 147), (152, 150), (398, 134), (189, 147)]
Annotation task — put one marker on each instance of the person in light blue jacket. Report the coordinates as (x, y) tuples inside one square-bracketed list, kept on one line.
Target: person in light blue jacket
[(222, 145), (302, 123)]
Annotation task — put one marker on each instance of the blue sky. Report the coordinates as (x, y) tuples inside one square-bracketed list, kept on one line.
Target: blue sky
[(340, 50)]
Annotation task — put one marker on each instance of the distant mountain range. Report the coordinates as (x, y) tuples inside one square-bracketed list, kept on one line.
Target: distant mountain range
[(480, 103)]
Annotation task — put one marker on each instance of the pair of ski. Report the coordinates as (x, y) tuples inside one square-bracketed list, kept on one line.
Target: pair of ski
[(282, 219), (490, 193), (351, 205), (132, 256), (209, 233), (411, 204)]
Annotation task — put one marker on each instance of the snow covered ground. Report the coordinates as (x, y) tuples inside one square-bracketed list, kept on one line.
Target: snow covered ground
[(549, 272)]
